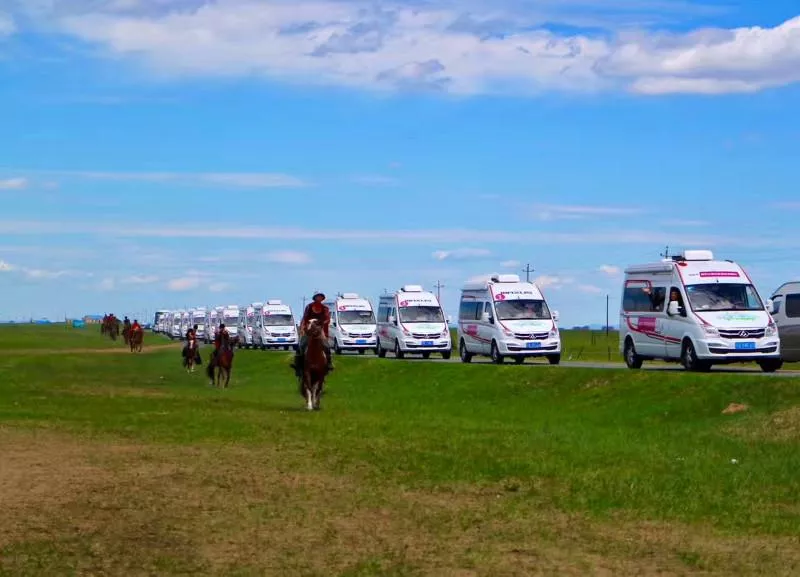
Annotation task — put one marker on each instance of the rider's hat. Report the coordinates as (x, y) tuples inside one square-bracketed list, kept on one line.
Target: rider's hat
[(318, 295)]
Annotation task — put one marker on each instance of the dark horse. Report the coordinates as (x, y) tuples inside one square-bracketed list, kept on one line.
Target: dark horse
[(222, 362), (315, 366), (135, 339)]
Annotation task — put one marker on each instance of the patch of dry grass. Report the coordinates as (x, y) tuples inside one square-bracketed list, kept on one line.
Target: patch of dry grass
[(81, 506), (781, 426)]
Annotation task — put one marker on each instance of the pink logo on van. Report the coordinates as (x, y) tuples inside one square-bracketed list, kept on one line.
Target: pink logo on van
[(647, 324), (720, 273)]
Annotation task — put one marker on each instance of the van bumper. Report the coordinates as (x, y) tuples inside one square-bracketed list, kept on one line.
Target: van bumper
[(436, 346), (357, 344), (530, 348), (723, 351)]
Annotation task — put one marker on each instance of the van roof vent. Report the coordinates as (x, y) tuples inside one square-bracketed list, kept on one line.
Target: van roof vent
[(274, 302), (350, 296), (411, 288), (505, 278), (695, 255)]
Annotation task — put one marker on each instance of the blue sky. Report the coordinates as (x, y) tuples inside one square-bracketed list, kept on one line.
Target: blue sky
[(159, 154)]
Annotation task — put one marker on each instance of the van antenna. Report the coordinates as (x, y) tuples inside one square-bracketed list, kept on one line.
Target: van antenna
[(528, 270), (665, 254)]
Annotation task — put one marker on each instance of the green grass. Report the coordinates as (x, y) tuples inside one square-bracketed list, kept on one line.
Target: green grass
[(581, 345), (56, 336), (612, 447)]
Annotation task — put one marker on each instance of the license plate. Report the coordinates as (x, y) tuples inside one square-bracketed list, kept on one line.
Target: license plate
[(745, 346), (281, 340), (533, 345), (361, 341), (427, 343)]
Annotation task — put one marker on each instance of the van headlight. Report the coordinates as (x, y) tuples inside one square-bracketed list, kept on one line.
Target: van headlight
[(771, 331), (711, 331), (554, 334), (445, 333)]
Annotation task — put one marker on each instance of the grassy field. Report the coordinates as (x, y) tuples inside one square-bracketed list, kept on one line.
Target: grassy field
[(115, 464)]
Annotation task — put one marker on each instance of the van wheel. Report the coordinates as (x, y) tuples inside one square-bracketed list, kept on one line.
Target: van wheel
[(466, 356), (554, 359), (446, 355), (361, 351), (633, 360), (519, 360), (380, 351), (426, 355), (397, 352), (770, 365), (690, 360), (336, 348), (497, 358)]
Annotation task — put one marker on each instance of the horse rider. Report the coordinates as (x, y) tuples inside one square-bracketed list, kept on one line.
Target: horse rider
[(135, 326), (315, 310), (191, 343), (218, 340)]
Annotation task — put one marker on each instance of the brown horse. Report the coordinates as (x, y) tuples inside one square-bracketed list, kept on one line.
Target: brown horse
[(190, 356), (135, 339), (222, 362), (315, 366)]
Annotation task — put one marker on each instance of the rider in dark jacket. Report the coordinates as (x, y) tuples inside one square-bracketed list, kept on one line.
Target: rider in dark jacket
[(315, 310)]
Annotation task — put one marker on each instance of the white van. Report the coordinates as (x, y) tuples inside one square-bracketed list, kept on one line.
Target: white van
[(784, 306), (199, 319), (412, 321), (212, 322), (353, 326), (504, 317), (230, 318), (696, 310), (175, 329), (247, 324), (275, 327)]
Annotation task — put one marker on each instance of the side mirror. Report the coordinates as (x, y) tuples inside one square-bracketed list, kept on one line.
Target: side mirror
[(555, 316), (486, 318), (449, 320), (393, 320), (770, 306), (673, 309)]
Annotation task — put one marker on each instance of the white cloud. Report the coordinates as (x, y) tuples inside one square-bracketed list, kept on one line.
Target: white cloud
[(14, 183), (685, 222), (510, 264), (288, 257), (5, 267), (443, 235), (464, 48), (7, 25), (577, 212), (374, 180), (37, 273), (590, 289), (254, 180), (609, 270), (183, 284), (554, 282), (462, 254), (790, 205), (107, 284), (141, 279), (219, 287)]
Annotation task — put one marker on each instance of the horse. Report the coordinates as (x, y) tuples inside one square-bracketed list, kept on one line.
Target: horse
[(126, 333), (190, 356), (315, 366), (135, 339), (222, 362)]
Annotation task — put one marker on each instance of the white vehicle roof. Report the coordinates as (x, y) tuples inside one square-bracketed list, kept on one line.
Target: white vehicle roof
[(276, 306), (695, 267), (790, 287), (413, 296), (505, 287), (352, 302)]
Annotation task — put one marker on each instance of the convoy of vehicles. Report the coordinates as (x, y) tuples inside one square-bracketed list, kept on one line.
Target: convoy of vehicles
[(691, 309)]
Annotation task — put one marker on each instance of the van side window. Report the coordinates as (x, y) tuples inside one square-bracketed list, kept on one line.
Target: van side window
[(639, 299), (470, 310), (793, 306)]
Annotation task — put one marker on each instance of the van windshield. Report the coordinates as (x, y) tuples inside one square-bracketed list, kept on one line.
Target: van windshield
[(526, 309), (231, 319), (724, 297), (356, 318), (278, 320), (427, 314)]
